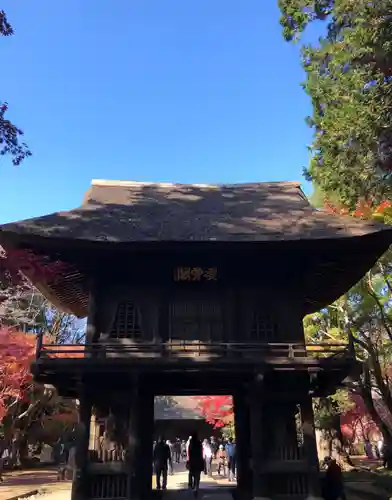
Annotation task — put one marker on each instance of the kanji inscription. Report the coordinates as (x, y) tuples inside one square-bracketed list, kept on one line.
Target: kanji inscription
[(195, 274)]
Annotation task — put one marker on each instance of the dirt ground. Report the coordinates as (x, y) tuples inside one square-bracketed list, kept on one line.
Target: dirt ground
[(19, 483), (359, 485)]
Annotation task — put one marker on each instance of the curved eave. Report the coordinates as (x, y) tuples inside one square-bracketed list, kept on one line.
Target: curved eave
[(337, 271), (49, 293), (329, 267), (51, 284), (14, 239)]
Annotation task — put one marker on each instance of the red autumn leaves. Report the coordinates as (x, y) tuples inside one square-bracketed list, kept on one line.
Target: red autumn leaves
[(216, 410), (363, 209), (16, 353), (356, 423)]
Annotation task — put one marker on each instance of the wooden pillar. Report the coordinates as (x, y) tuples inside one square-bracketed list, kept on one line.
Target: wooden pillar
[(92, 326), (132, 451), (258, 438), (310, 448), (139, 446), (242, 433), (144, 455), (80, 480)]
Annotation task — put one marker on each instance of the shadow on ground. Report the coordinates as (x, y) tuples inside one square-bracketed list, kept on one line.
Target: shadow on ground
[(30, 477)]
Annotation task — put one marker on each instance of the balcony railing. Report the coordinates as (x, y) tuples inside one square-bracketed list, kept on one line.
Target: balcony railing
[(199, 350)]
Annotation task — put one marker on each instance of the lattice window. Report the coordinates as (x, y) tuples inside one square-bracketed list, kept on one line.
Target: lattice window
[(127, 323), (263, 327), (197, 319)]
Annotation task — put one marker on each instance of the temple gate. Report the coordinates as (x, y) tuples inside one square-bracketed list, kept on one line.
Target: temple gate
[(194, 290)]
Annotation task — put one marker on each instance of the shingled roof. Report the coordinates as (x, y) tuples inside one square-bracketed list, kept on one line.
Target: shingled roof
[(122, 211), (136, 214)]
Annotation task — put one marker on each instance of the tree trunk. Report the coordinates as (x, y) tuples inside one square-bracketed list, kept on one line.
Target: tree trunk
[(332, 444), (336, 449)]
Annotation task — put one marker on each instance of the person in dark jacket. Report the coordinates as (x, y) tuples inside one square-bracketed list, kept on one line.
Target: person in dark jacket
[(195, 463), (162, 459), (386, 455), (231, 449), (177, 450), (333, 487)]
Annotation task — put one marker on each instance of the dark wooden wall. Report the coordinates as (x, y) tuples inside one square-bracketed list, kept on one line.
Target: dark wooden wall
[(205, 312)]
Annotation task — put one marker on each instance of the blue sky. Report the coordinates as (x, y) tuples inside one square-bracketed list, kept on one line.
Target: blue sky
[(174, 90)]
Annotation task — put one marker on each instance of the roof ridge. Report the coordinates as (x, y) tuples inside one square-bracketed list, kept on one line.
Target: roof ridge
[(129, 183)]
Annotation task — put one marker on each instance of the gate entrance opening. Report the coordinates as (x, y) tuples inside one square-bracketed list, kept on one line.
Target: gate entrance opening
[(177, 418)]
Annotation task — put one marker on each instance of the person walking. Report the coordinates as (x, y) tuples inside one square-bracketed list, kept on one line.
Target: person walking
[(222, 460), (380, 446), (231, 457), (162, 459), (386, 455), (368, 449), (177, 450), (214, 446), (207, 456), (171, 447), (184, 450), (333, 487), (195, 463)]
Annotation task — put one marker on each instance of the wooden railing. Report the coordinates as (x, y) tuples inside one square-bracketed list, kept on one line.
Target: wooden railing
[(102, 455), (190, 349)]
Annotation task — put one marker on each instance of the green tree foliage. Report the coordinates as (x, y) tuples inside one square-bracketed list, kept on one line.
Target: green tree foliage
[(348, 78), (327, 413), (363, 314), (328, 410), (326, 326), (10, 135)]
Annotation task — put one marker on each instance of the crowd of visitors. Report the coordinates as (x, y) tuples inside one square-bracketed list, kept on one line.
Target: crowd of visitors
[(199, 457)]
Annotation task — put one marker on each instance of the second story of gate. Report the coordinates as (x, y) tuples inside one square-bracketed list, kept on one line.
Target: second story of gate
[(194, 319)]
